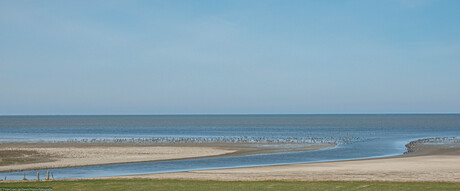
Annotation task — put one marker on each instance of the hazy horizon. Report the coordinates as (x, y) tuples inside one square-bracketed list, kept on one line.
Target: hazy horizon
[(222, 114), (229, 57)]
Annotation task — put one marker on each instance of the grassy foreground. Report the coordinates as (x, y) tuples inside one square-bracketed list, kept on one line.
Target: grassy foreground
[(147, 184)]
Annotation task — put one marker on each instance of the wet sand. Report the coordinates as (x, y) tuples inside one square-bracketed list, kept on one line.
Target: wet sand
[(428, 162), (33, 156)]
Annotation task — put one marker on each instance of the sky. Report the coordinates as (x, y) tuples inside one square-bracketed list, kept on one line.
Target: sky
[(229, 57)]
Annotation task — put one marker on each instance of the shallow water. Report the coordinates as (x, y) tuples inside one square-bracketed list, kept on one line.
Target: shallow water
[(373, 136)]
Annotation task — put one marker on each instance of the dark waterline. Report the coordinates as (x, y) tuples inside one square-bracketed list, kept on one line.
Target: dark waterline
[(379, 135)]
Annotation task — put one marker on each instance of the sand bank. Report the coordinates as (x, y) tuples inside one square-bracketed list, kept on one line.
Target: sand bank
[(427, 163), (31, 156)]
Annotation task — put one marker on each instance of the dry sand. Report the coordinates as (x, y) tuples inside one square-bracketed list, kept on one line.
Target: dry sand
[(29, 156), (429, 163)]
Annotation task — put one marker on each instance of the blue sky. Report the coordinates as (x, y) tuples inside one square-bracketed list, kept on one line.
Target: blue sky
[(229, 57)]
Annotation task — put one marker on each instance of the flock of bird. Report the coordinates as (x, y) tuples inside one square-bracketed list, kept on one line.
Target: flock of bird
[(412, 146), (242, 139)]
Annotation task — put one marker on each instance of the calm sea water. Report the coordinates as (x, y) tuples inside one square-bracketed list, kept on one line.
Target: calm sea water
[(375, 136)]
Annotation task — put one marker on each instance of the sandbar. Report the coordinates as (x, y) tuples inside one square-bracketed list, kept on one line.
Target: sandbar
[(32, 156), (429, 162)]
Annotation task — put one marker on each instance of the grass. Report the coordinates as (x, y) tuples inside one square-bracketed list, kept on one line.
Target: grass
[(8, 157), (147, 184)]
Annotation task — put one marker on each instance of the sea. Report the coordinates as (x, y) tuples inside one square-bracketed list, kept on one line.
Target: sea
[(355, 136)]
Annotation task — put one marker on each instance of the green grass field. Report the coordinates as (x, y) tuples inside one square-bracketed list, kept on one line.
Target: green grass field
[(146, 184)]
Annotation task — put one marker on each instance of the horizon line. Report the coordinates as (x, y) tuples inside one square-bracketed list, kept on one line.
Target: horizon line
[(238, 114)]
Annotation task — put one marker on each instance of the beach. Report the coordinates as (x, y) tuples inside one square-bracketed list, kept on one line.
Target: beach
[(33, 156), (243, 147), (428, 162)]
